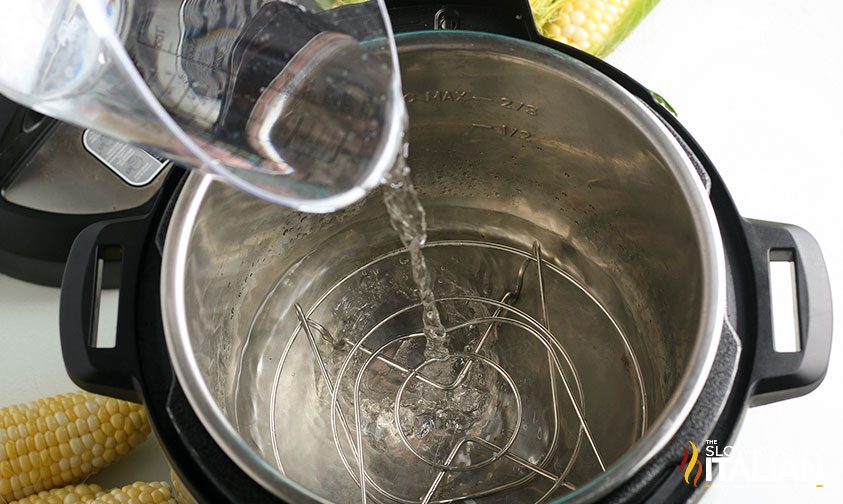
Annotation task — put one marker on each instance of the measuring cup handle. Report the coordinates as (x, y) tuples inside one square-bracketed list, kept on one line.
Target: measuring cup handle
[(778, 376)]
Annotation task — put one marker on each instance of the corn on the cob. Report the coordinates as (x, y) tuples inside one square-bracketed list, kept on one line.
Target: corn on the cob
[(136, 493), (595, 26), (63, 439), (179, 490)]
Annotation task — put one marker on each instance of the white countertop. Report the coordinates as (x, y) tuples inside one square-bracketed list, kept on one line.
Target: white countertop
[(759, 83)]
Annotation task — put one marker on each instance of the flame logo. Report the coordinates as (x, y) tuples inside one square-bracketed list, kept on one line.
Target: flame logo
[(686, 468)]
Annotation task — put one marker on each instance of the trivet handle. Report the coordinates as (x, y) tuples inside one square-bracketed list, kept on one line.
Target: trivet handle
[(778, 376)]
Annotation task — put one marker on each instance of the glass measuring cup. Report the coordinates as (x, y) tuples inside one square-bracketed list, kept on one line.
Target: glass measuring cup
[(297, 102)]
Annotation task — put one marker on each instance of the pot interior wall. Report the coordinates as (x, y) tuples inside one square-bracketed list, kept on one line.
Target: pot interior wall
[(507, 147)]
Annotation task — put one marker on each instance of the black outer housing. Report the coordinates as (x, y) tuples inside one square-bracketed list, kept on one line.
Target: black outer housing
[(34, 244), (140, 368)]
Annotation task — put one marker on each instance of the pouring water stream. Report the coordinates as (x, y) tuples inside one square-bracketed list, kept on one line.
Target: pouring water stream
[(408, 219)]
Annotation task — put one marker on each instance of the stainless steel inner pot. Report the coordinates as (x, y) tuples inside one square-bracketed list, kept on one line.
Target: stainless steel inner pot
[(577, 263)]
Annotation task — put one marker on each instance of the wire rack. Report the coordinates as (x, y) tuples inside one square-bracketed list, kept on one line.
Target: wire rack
[(562, 377)]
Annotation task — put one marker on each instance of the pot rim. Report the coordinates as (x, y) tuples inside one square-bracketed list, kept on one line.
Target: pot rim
[(661, 430)]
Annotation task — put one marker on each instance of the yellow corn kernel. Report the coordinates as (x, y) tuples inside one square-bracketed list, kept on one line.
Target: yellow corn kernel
[(179, 490), (137, 493), (595, 26), (62, 440)]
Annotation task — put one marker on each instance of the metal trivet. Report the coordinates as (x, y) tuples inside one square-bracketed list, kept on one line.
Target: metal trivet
[(505, 313)]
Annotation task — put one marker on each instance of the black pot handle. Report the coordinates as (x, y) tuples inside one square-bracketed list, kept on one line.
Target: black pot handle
[(107, 371), (776, 375)]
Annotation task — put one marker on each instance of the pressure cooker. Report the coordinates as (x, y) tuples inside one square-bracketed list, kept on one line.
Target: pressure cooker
[(607, 305)]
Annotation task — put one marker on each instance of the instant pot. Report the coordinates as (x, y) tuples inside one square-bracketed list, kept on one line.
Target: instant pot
[(56, 180), (608, 305)]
